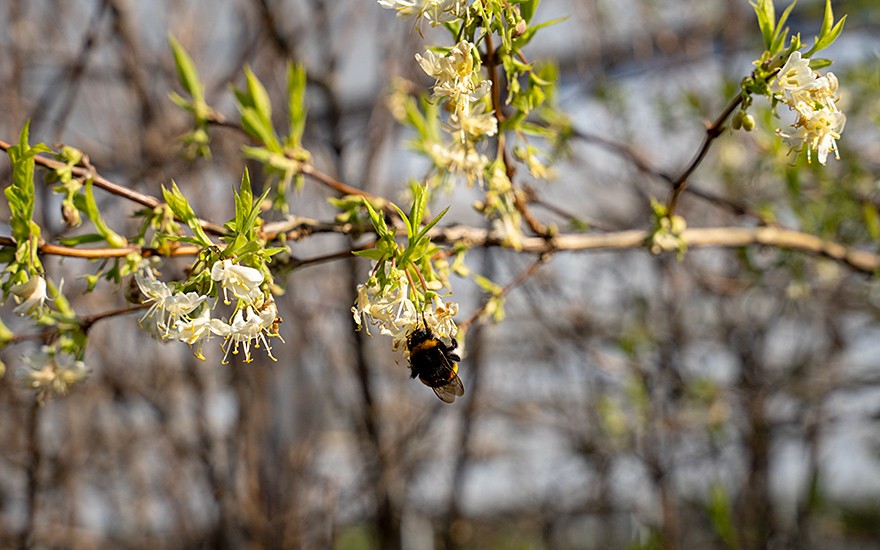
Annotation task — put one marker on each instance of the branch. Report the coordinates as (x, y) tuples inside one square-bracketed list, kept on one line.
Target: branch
[(704, 237), (84, 322), (492, 66), (113, 188), (723, 237), (643, 166), (712, 132), (97, 253), (338, 186), (516, 282)]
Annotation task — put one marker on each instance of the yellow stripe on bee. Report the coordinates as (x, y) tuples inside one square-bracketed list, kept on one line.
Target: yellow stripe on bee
[(424, 346)]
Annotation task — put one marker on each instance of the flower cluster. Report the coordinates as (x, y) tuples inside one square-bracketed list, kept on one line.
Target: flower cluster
[(391, 309), (434, 12), (185, 316), (460, 85), (813, 97), (51, 372)]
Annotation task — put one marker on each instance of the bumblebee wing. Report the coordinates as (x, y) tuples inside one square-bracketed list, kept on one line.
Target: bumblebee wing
[(450, 391)]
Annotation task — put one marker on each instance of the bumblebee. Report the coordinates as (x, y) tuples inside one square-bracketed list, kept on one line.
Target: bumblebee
[(435, 364)]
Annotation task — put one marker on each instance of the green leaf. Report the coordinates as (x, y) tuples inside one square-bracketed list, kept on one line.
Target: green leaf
[(244, 202), (417, 212), (181, 102), (269, 252), (256, 112), (781, 30), (21, 198), (85, 203), (181, 208), (259, 128), (296, 105), (827, 20), (259, 98), (522, 40), (432, 223), (766, 13), (89, 238), (828, 38), (817, 63), (410, 232), (371, 254), (528, 8), (186, 70), (377, 220)]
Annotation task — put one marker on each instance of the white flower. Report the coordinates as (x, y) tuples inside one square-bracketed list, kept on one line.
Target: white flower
[(396, 315), (813, 97), (50, 372), (460, 158), (154, 290), (244, 282), (794, 75), (819, 133), (270, 319), (390, 309), (194, 331), (31, 296), (433, 11), (179, 306), (440, 319), (173, 308), (457, 76), (247, 328), (475, 122)]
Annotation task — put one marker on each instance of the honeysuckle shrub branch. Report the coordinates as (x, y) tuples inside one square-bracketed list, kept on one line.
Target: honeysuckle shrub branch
[(487, 119)]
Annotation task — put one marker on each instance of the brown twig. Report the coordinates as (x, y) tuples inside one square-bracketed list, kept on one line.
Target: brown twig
[(97, 253), (643, 166), (706, 237), (713, 130), (336, 185), (84, 322), (521, 205), (113, 188), (516, 282), (719, 237)]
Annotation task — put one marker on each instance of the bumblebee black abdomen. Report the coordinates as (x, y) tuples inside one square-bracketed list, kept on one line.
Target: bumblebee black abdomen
[(432, 366), (435, 364)]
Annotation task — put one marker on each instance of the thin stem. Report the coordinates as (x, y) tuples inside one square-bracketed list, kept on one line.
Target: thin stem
[(645, 167), (84, 322), (516, 282), (717, 237), (97, 253), (111, 187), (492, 66), (714, 130)]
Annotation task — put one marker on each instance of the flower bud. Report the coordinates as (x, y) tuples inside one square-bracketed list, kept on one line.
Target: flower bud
[(116, 241), (70, 214), (737, 121), (71, 154)]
